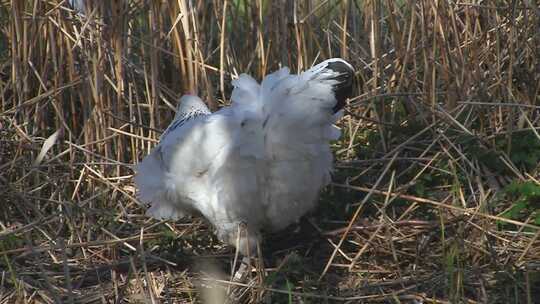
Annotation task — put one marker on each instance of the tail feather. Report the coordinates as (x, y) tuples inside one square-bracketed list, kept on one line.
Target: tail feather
[(342, 73), (296, 111)]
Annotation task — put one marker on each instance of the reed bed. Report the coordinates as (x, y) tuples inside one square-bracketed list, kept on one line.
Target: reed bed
[(437, 182)]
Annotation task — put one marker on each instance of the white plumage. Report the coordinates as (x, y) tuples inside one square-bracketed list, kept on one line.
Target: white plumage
[(260, 162)]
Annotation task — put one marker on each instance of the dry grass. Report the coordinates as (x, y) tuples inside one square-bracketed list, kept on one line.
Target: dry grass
[(433, 198)]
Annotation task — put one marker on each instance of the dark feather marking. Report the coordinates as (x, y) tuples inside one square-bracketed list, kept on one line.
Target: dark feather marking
[(343, 89), (265, 121), (201, 173), (178, 123)]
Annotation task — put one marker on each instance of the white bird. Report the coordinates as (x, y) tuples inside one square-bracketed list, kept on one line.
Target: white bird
[(260, 162), (78, 6)]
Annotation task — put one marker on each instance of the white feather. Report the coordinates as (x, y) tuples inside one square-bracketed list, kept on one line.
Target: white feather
[(262, 161)]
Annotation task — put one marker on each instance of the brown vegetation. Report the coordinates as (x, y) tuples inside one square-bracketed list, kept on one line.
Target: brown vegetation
[(436, 191)]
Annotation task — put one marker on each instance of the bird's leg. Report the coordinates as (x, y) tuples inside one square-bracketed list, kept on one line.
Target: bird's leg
[(247, 244), (244, 238), (241, 273)]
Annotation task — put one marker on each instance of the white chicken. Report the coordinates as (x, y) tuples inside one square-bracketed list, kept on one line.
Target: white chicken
[(260, 162)]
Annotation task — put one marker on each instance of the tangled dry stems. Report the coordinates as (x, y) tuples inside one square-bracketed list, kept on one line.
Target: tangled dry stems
[(445, 118)]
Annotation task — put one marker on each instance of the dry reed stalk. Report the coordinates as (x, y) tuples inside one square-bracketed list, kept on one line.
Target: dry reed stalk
[(447, 99)]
